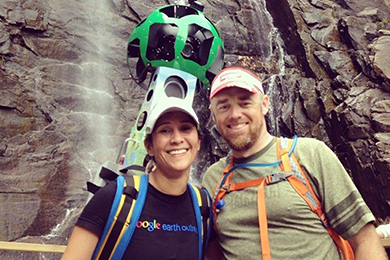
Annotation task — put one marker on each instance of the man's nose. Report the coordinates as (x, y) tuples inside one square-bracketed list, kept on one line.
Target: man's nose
[(235, 111)]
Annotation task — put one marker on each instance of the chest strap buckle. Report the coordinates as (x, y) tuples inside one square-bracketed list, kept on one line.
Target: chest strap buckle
[(277, 177)]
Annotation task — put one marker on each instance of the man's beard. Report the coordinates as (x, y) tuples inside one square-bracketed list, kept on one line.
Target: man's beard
[(239, 142)]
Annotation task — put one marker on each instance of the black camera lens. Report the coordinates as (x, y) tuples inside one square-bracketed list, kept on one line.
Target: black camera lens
[(187, 50)]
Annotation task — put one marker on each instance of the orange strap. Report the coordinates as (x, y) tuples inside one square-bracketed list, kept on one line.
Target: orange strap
[(263, 223), (262, 211), (302, 189), (245, 184), (221, 193), (342, 244), (283, 156), (306, 179)]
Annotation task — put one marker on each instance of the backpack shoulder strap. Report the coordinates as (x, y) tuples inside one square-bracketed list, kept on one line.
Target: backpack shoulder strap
[(300, 182), (115, 209), (125, 211), (133, 216), (284, 149), (299, 177), (202, 206)]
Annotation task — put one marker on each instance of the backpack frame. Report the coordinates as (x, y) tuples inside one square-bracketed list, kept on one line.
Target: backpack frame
[(291, 172)]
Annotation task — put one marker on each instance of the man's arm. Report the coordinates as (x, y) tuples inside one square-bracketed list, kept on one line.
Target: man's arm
[(366, 244)]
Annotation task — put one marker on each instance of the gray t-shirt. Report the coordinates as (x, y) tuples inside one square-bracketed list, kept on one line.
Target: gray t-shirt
[(295, 232)]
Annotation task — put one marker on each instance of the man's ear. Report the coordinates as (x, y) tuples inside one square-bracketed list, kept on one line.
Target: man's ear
[(149, 147), (212, 114), (265, 105), (213, 117), (215, 122)]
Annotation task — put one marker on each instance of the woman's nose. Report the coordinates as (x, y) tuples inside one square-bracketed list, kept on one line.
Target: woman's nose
[(177, 137)]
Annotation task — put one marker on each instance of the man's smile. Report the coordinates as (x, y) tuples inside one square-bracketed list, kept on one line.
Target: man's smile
[(237, 126)]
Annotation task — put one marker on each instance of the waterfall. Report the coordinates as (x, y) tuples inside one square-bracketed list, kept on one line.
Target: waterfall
[(273, 55), (95, 110), (60, 228), (97, 86)]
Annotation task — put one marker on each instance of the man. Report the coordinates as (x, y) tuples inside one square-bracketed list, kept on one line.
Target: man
[(238, 107)]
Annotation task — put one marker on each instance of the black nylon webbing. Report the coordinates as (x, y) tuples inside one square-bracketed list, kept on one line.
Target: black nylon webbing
[(133, 167), (205, 212), (91, 187)]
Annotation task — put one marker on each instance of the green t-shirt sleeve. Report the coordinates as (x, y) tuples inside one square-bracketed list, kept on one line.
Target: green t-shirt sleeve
[(343, 205)]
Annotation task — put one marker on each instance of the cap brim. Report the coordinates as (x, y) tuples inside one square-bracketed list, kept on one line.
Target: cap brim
[(169, 105), (236, 77), (236, 84)]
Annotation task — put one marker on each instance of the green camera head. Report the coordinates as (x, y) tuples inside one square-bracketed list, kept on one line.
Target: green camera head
[(179, 37)]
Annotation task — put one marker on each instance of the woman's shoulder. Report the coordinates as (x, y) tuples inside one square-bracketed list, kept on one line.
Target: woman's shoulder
[(95, 213)]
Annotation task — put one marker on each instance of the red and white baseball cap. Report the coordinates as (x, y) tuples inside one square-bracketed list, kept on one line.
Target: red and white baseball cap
[(236, 77)]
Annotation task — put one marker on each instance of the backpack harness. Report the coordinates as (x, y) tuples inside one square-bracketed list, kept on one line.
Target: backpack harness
[(126, 209), (291, 172)]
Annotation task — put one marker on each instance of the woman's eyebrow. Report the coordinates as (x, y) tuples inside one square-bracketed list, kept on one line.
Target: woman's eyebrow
[(162, 123)]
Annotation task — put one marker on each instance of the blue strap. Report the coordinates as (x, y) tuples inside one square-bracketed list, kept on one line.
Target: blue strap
[(295, 139), (210, 226), (139, 204), (198, 218), (114, 208)]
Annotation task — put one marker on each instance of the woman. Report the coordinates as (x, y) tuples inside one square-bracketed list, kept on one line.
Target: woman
[(173, 142)]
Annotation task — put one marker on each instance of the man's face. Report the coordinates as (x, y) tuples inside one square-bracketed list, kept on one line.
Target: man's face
[(239, 115)]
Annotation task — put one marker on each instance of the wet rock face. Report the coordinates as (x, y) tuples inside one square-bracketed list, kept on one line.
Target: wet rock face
[(64, 109), (66, 103)]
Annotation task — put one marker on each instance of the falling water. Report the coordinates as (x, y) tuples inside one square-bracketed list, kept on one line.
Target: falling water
[(96, 113), (98, 90), (274, 55), (59, 228)]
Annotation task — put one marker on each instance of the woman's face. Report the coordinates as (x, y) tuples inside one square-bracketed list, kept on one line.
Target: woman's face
[(175, 143)]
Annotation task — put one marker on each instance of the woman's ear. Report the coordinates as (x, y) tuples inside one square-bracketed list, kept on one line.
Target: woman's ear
[(149, 147)]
